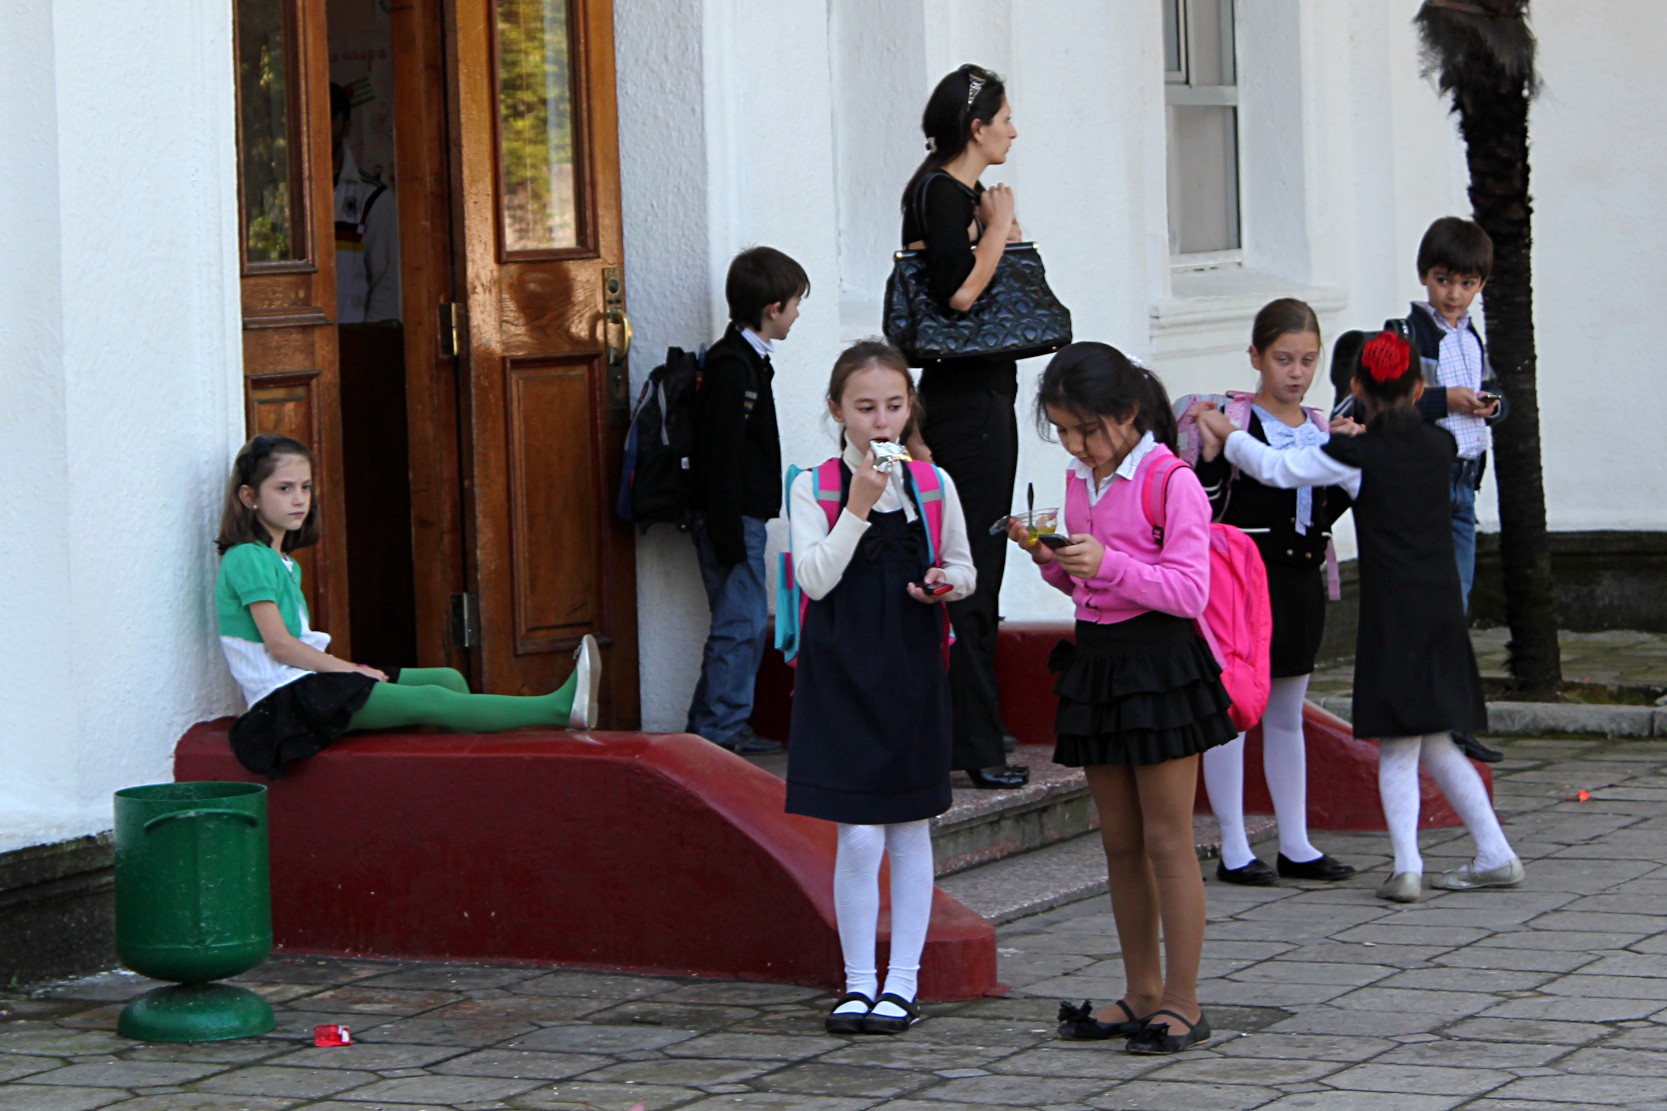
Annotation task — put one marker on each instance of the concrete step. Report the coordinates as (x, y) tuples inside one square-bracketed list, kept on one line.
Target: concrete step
[(1029, 883)]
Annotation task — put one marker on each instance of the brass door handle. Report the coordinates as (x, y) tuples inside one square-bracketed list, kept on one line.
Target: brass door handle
[(617, 353)]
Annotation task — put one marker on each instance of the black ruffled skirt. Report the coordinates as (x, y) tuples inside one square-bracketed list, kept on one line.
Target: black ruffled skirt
[(299, 719), (1140, 691)]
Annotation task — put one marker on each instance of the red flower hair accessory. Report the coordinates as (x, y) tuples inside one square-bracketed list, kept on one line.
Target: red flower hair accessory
[(1386, 357)]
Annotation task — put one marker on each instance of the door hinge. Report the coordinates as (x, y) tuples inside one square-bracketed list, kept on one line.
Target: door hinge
[(465, 620), (453, 330)]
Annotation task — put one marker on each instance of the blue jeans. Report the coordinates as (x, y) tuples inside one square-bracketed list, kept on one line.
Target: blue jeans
[(735, 646), (1464, 533)]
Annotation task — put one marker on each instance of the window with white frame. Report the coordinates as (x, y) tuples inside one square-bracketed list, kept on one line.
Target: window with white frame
[(1201, 101)]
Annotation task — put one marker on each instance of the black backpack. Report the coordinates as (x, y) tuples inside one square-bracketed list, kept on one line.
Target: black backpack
[(656, 485)]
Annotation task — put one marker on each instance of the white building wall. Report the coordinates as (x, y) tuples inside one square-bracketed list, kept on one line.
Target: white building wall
[(122, 120), (1347, 155)]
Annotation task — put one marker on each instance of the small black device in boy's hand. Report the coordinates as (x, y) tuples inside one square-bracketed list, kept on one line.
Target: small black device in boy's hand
[(937, 589), (1054, 540)]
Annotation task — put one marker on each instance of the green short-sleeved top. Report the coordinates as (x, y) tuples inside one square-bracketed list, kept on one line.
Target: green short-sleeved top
[(251, 573)]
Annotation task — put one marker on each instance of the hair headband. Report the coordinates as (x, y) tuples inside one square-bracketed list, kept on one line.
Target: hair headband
[(975, 85), (1385, 357)]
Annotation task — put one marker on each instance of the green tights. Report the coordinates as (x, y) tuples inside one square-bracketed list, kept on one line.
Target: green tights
[(440, 696)]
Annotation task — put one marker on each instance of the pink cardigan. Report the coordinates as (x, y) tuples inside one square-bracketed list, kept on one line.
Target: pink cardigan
[(1137, 575)]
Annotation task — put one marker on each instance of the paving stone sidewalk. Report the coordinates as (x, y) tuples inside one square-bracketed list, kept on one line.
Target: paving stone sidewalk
[(1551, 996)]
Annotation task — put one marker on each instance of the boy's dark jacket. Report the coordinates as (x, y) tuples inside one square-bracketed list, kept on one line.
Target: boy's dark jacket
[(1426, 336), (737, 446)]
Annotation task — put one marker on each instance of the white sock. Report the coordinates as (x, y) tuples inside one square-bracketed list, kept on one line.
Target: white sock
[(1224, 784), (912, 883), (1285, 763), (857, 907), (1398, 789), (1460, 782)]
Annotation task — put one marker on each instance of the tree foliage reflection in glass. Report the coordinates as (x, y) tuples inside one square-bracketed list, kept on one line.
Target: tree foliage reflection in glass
[(269, 182), (535, 107)]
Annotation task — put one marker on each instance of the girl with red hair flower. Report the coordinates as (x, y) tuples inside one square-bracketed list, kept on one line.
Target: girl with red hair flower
[(1415, 678)]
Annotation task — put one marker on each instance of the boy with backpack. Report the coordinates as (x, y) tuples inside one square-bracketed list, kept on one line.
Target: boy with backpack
[(737, 473), (1461, 393)]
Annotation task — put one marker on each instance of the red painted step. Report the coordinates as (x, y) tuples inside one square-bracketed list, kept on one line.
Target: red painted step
[(648, 852)]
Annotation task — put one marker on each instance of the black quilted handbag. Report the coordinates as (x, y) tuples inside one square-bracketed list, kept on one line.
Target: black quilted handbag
[(1017, 315)]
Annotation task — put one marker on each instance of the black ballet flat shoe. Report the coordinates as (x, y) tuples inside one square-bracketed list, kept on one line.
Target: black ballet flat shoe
[(1321, 867), (1078, 1024), (848, 1022), (1155, 1040), (892, 1024), (999, 778), (1254, 874), (1476, 750)]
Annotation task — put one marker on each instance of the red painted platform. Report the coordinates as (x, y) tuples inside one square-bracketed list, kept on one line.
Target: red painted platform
[(652, 852), (1342, 770)]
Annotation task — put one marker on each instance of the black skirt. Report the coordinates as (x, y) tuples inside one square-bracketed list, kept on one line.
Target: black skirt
[(1140, 691), (299, 719), (1297, 598)]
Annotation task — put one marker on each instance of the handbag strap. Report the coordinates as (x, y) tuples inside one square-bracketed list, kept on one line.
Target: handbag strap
[(920, 203)]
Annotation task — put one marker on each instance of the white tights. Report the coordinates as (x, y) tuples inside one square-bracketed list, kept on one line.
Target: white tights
[(1398, 762), (1284, 763), (857, 905)]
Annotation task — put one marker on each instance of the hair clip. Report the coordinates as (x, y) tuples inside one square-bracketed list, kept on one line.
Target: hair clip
[(1385, 357), (931, 145), (975, 85)]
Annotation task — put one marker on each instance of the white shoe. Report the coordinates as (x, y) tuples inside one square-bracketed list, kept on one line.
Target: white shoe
[(1508, 874), (588, 687), (1402, 887)]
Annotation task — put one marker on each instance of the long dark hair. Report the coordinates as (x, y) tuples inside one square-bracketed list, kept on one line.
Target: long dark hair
[(255, 463), (972, 94), (1096, 380)]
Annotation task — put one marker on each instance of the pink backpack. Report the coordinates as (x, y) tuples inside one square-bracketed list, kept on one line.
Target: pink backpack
[(1236, 405), (791, 604), (1238, 618)]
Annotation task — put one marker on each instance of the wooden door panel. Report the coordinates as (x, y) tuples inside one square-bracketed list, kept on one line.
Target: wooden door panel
[(538, 233), (552, 460), (286, 244)]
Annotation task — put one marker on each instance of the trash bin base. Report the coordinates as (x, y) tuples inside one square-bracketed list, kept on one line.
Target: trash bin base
[(195, 1013)]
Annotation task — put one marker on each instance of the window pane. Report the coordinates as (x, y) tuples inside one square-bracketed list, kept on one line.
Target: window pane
[(535, 112), (267, 139), (1203, 180), (1173, 64), (1210, 42)]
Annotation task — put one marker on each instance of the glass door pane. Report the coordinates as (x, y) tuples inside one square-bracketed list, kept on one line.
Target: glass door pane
[(538, 171), (274, 216)]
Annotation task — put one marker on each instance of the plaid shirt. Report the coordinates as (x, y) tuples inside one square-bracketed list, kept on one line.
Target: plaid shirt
[(1459, 363)]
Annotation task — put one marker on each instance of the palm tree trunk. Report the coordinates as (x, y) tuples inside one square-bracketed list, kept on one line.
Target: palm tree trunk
[(1493, 118)]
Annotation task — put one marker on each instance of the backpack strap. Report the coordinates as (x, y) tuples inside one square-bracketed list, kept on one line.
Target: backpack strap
[(1154, 495), (830, 489), (925, 484)]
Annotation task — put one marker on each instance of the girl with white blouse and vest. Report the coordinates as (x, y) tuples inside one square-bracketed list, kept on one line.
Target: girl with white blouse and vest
[(877, 547), (1291, 529), (302, 699), (1140, 694)]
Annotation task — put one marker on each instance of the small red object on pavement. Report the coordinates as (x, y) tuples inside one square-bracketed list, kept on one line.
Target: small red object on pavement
[(331, 1033), (1582, 796)]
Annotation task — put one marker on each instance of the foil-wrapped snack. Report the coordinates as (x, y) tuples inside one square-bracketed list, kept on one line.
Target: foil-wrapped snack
[(887, 453)]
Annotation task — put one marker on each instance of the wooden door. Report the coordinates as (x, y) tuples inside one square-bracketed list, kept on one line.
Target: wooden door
[(535, 173), (287, 245)]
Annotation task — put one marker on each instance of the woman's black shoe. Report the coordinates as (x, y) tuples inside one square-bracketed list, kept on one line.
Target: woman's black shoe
[(1155, 1039), (999, 778), (892, 1024), (1321, 867), (1078, 1024), (1254, 874)]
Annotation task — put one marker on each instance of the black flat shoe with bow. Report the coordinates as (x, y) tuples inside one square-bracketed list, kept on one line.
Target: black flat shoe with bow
[(999, 778), (1321, 867), (1154, 1039), (1078, 1024)]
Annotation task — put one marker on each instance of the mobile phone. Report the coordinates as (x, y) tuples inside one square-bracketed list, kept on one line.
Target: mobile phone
[(937, 589), (1054, 540), (1487, 398)]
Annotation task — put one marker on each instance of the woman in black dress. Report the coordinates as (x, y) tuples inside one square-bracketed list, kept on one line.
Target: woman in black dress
[(1415, 677), (970, 428)]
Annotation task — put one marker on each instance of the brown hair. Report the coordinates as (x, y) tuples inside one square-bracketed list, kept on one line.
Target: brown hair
[(868, 353), (758, 278), (1283, 317), (1458, 246), (255, 463)]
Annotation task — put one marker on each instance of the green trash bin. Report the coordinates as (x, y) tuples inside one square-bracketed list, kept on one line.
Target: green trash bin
[(193, 905)]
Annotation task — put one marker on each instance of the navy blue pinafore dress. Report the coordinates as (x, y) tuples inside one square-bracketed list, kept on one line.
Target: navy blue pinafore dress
[(871, 724)]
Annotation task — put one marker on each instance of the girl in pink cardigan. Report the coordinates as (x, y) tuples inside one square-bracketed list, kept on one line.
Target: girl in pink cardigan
[(1140, 694)]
